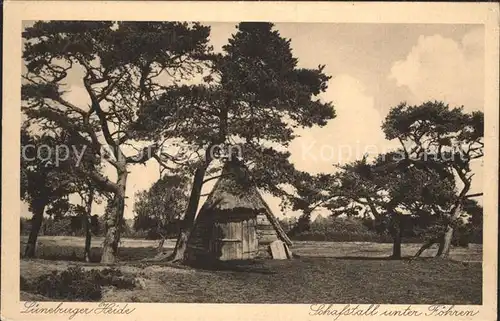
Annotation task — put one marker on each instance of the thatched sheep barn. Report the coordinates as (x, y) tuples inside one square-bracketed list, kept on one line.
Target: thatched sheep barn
[(235, 223)]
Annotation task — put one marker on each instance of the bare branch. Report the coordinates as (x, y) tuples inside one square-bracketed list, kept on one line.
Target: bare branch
[(69, 105), (473, 195), (102, 118), (106, 91), (102, 181), (212, 178), (162, 164), (143, 156)]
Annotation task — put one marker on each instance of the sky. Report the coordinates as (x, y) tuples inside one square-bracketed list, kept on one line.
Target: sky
[(374, 67)]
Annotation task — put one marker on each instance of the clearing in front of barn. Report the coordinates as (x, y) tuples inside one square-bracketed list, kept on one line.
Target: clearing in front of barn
[(353, 273)]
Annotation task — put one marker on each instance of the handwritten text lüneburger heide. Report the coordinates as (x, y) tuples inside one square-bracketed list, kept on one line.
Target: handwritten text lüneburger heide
[(375, 310), (64, 309)]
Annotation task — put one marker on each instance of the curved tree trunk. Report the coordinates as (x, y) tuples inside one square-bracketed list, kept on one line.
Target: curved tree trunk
[(444, 240), (444, 247), (36, 223), (188, 221), (114, 221), (444, 250), (430, 243), (160, 244), (425, 246)]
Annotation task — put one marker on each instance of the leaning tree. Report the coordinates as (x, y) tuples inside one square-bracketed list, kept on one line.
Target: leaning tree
[(445, 139), (252, 98), (395, 195), (119, 66)]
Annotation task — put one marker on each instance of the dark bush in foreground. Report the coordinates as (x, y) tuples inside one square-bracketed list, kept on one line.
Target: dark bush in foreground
[(75, 284)]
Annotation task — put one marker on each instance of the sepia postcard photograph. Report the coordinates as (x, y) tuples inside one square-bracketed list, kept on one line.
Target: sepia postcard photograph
[(249, 161)]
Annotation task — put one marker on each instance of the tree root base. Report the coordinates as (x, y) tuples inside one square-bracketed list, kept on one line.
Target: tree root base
[(164, 257)]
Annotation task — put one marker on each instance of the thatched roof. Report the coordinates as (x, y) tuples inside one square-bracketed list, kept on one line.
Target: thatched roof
[(235, 192)]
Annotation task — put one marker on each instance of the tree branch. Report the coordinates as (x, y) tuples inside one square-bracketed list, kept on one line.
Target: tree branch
[(106, 91), (102, 118), (143, 156), (162, 164), (69, 105), (100, 180), (474, 195)]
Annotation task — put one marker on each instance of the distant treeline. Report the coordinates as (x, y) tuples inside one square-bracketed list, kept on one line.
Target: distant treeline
[(74, 226), (334, 229), (356, 229)]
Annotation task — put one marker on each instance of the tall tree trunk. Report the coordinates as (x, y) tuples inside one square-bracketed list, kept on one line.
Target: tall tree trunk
[(36, 223), (87, 220), (397, 235), (114, 221), (88, 239), (396, 247), (179, 254), (441, 245), (188, 221)]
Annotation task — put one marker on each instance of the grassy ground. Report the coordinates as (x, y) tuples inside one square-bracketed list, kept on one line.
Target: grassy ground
[(328, 272), (71, 248)]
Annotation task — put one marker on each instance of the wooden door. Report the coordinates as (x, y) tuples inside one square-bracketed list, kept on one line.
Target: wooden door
[(227, 243), (235, 240), (249, 238)]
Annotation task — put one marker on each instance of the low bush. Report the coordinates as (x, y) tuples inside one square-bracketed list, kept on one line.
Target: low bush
[(112, 277), (75, 284), (25, 285)]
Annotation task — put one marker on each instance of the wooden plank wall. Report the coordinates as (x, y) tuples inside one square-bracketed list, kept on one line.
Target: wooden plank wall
[(232, 239), (266, 234), (249, 239), (265, 230)]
